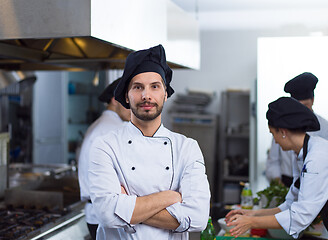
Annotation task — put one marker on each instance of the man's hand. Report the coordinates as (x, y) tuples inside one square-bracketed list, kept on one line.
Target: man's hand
[(148, 206), (177, 196), (163, 218)]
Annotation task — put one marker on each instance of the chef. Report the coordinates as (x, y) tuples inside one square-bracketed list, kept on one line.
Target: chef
[(147, 182), (279, 162), (288, 122), (112, 118)]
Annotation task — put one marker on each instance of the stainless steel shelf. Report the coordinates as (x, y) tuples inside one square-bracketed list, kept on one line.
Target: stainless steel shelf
[(234, 142)]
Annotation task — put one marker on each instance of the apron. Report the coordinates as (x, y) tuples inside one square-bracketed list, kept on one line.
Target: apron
[(324, 211)]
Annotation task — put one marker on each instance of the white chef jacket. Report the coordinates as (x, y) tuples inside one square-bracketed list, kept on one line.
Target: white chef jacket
[(146, 165), (279, 162), (303, 205), (108, 121), (323, 132)]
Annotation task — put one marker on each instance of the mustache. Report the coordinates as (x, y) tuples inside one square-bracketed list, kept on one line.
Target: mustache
[(147, 103)]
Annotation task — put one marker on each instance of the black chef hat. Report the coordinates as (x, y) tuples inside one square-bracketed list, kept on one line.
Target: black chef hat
[(287, 112), (148, 60), (301, 87), (108, 93)]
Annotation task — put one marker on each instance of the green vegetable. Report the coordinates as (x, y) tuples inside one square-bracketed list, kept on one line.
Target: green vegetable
[(276, 189)]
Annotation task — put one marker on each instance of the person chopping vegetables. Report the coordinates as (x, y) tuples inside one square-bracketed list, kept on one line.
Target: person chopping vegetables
[(288, 122)]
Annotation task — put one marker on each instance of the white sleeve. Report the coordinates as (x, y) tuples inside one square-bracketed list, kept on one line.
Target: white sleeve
[(311, 199), (290, 198), (193, 212), (273, 164), (113, 209)]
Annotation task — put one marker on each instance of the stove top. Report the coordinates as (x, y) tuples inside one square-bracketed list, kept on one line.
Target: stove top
[(39, 207), (19, 223)]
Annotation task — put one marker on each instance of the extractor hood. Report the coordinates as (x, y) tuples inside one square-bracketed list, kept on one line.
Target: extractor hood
[(92, 34)]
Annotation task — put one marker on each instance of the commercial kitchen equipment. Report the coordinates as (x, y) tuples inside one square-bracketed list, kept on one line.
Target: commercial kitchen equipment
[(74, 35), (93, 34), (4, 160), (41, 201)]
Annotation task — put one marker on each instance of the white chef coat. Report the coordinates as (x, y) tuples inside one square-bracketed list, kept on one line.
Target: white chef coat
[(146, 165), (108, 121), (304, 204), (279, 162), (323, 132)]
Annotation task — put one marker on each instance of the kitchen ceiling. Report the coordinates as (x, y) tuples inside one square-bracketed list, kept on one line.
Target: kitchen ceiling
[(232, 14), (93, 34), (227, 5)]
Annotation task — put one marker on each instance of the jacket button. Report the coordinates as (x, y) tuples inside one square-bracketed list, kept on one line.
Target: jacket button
[(133, 168), (129, 142), (167, 168), (165, 143)]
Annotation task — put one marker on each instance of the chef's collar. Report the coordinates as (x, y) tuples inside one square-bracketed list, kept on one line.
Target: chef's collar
[(300, 155), (161, 131)]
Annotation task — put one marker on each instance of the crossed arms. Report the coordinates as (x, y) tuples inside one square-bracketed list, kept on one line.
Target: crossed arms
[(164, 209), (151, 210)]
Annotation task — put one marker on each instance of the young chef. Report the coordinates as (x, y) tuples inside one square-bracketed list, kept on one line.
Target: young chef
[(279, 162), (112, 118), (288, 122), (147, 182)]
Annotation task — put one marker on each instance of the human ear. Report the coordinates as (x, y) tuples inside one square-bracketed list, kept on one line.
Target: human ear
[(283, 132), (113, 101)]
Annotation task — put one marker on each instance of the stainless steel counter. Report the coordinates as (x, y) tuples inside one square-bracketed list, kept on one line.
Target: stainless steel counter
[(71, 226), (23, 224), (43, 202)]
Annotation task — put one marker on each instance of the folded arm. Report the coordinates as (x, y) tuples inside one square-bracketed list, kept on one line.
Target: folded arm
[(192, 213), (150, 205), (162, 219)]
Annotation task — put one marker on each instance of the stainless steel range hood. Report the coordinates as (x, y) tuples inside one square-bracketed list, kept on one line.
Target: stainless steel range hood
[(91, 34)]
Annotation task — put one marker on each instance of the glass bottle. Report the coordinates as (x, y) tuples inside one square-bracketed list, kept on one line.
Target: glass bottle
[(208, 233), (246, 197)]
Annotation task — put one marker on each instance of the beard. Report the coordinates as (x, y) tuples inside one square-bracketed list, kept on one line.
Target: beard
[(146, 115)]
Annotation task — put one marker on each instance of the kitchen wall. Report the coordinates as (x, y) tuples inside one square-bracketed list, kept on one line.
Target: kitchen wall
[(228, 60)]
